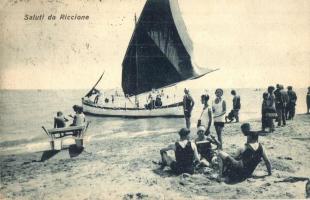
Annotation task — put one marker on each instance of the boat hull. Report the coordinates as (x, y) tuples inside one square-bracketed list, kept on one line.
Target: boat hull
[(172, 110)]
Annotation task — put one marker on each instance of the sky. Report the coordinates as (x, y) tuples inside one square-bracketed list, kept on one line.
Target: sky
[(254, 43)]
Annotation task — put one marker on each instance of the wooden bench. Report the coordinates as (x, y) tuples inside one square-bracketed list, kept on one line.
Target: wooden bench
[(74, 131)]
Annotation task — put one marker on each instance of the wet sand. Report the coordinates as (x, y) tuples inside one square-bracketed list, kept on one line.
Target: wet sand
[(122, 168)]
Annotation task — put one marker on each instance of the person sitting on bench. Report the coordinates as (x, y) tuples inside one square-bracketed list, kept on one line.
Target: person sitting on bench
[(60, 120)]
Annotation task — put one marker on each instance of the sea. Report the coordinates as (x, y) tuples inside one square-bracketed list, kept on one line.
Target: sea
[(24, 112)]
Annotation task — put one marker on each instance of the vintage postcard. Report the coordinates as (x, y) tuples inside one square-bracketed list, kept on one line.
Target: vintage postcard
[(154, 99)]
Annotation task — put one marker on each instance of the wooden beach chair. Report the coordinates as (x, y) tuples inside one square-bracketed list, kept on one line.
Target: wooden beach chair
[(78, 132)]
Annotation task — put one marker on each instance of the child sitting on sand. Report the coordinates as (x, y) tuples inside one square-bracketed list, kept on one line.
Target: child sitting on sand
[(204, 147), (185, 152), (247, 159)]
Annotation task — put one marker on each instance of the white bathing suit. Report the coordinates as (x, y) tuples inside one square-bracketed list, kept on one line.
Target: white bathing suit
[(217, 110)]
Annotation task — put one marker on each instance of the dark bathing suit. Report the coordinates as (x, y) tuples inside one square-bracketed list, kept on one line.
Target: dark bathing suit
[(60, 122), (205, 150), (188, 106), (184, 159), (245, 164)]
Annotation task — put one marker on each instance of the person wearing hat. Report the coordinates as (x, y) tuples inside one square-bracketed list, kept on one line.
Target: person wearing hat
[(290, 108), (219, 111), (204, 143), (185, 154), (248, 157), (188, 104)]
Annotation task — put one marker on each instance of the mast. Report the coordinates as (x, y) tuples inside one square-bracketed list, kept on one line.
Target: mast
[(137, 65), (136, 56)]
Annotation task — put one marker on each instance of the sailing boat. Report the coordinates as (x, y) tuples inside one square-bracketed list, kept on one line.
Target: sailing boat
[(159, 55)]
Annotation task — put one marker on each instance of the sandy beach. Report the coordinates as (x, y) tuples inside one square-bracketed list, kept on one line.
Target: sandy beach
[(118, 167)]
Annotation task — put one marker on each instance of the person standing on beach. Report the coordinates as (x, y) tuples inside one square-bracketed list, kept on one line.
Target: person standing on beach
[(206, 114), (271, 113), (264, 111), (236, 105), (185, 154), (290, 112), (308, 101), (188, 104), (280, 102), (219, 111)]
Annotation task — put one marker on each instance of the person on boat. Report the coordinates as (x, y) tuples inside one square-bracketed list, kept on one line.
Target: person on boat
[(98, 96), (162, 94), (290, 109), (204, 143), (92, 92), (206, 114), (79, 117), (308, 100), (248, 157), (137, 102), (271, 112), (234, 114), (158, 102), (219, 111), (151, 100), (185, 154), (188, 104), (60, 120), (150, 104)]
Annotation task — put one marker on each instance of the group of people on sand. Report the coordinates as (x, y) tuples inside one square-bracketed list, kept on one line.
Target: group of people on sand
[(278, 104), (215, 112), (78, 118), (206, 150), (193, 154)]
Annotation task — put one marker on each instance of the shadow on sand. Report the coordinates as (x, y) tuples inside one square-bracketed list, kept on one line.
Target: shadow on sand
[(48, 154), (73, 150), (163, 173)]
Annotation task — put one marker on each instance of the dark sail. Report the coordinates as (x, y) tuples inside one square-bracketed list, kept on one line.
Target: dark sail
[(159, 53)]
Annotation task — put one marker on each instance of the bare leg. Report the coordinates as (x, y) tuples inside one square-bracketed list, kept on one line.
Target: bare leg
[(271, 125), (237, 116), (188, 122), (219, 135), (166, 160), (204, 162), (221, 155)]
